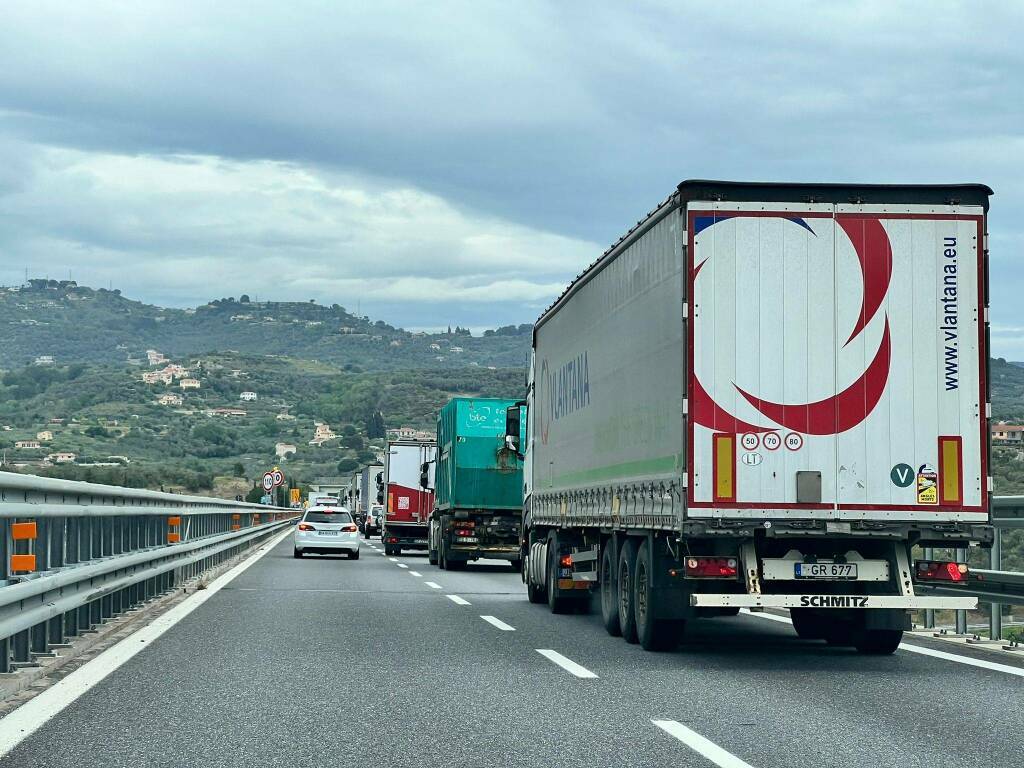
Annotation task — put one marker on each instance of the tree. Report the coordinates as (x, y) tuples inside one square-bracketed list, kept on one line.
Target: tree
[(348, 430), (375, 425), (348, 465), (239, 469), (243, 299)]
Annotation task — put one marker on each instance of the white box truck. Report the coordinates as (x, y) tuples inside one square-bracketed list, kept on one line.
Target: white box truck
[(408, 494), (764, 396)]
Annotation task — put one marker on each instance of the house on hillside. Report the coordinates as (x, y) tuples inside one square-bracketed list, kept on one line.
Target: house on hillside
[(44, 360), (1007, 434), (27, 445), (156, 377), (176, 371), (250, 396), (284, 450), (322, 433), (169, 399), (227, 412), (284, 417), (45, 436), (436, 347), (456, 350), (57, 420), (189, 384), (154, 357), (61, 457)]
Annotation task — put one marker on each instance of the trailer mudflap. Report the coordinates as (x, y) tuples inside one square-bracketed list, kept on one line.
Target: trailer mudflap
[(903, 602)]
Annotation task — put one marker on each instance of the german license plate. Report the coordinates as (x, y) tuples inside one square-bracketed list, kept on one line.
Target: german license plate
[(833, 571), (328, 533)]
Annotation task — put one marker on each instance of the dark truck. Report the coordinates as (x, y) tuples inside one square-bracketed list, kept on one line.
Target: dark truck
[(479, 486)]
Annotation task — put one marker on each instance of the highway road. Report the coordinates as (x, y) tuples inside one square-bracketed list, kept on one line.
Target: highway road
[(391, 662)]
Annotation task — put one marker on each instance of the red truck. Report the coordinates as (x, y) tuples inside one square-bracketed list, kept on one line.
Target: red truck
[(407, 494)]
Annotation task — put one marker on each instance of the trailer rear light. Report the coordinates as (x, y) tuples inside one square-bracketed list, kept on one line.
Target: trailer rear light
[(306, 527), (392, 540), (711, 567), (938, 570), (464, 532), (566, 561), (350, 528)]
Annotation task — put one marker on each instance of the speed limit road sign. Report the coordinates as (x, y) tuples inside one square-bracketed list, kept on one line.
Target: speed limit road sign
[(268, 481), (278, 477)]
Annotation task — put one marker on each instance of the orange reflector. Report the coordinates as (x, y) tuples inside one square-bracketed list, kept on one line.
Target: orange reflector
[(23, 563), (23, 531), (723, 449), (174, 520), (235, 527), (236, 517), (951, 480), (173, 538)]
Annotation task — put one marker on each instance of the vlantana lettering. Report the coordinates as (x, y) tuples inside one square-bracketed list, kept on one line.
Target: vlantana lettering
[(948, 324), (569, 386)]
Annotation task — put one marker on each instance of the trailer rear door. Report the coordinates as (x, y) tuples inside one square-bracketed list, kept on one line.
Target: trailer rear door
[(837, 361)]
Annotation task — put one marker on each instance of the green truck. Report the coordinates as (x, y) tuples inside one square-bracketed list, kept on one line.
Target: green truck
[(478, 502)]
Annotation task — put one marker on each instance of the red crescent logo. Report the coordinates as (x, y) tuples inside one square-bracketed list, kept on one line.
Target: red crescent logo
[(850, 407)]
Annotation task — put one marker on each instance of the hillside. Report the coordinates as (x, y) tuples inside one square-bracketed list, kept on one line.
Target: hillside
[(73, 324), (112, 420)]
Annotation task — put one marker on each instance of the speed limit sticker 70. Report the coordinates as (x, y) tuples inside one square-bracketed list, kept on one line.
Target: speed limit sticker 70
[(771, 441)]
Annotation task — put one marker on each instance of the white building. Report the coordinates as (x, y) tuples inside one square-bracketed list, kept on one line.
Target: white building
[(247, 396), (189, 384), (284, 450), (169, 399), (44, 360), (61, 457)]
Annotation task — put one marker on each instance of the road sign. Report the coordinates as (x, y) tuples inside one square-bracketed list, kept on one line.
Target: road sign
[(268, 481), (296, 496), (278, 477)]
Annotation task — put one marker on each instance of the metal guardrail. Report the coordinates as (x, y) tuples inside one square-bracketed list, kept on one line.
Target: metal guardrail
[(73, 554)]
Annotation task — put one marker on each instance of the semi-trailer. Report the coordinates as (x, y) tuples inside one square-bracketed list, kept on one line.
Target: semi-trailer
[(478, 498), (408, 493), (764, 396), (367, 488)]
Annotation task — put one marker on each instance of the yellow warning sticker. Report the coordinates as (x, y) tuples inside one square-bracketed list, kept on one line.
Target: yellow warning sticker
[(927, 485)]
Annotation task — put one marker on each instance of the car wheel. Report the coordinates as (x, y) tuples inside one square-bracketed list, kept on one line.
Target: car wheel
[(353, 555), (297, 553)]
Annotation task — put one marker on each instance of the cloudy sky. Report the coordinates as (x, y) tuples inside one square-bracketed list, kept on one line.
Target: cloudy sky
[(439, 163)]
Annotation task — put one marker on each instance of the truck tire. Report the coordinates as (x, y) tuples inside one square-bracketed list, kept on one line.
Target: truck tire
[(808, 625), (535, 593), (654, 633), (878, 642), (609, 585), (556, 602), (624, 591)]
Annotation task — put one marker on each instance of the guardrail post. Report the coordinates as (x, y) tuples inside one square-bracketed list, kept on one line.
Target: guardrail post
[(995, 618), (960, 554)]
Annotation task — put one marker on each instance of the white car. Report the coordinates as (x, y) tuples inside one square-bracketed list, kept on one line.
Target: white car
[(327, 530)]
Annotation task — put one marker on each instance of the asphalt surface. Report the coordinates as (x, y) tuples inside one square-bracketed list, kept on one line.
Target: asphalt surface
[(330, 662)]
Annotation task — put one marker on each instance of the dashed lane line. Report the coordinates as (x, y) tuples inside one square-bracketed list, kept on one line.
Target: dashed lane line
[(432, 584), (567, 664), (700, 745), (458, 600), (495, 622), (417, 574)]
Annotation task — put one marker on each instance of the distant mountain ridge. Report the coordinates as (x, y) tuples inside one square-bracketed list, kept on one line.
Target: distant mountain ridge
[(72, 323)]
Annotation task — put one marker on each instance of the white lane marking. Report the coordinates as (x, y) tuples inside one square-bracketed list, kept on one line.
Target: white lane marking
[(700, 745), (958, 659), (417, 574), (567, 664), (432, 584), (402, 565), (457, 600), (393, 559), (498, 623), (30, 716)]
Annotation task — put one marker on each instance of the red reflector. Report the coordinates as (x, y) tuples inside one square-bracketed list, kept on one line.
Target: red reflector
[(306, 527), (566, 561), (464, 532), (711, 567), (939, 570), (392, 540)]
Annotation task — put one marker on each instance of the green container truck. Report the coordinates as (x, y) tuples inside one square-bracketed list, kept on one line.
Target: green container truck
[(478, 502)]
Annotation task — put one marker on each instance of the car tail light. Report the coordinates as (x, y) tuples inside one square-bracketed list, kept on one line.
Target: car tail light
[(711, 567), (350, 528), (306, 527), (464, 532), (939, 570), (566, 561), (392, 540)]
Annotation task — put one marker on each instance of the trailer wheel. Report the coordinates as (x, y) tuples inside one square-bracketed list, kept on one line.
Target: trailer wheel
[(878, 642), (654, 634), (624, 591), (609, 587), (535, 593), (808, 625), (556, 602)]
